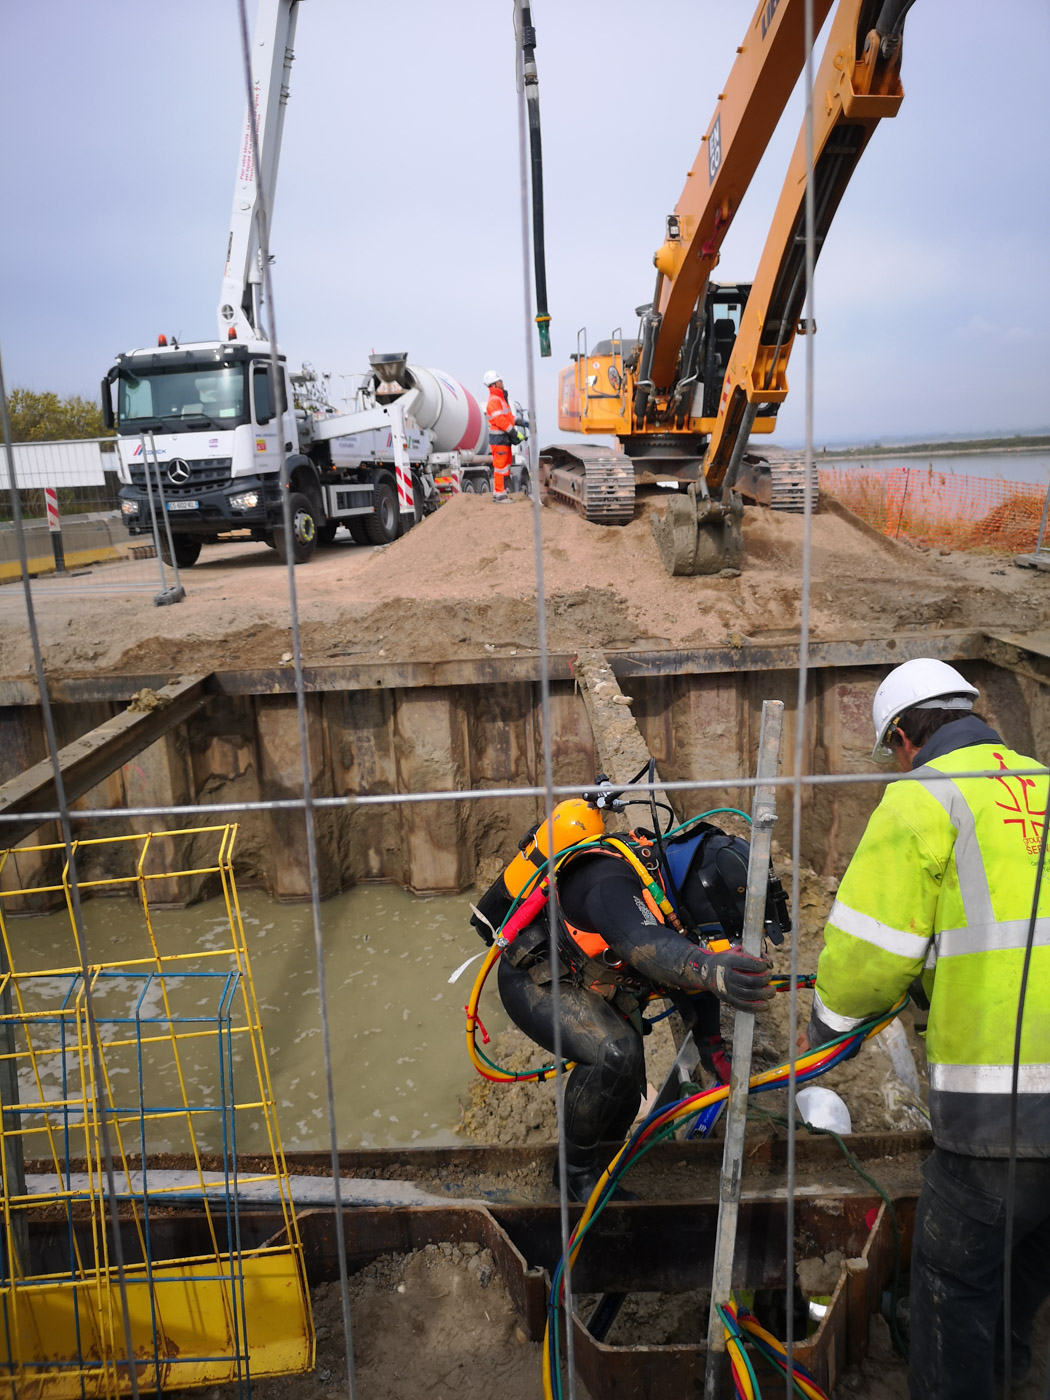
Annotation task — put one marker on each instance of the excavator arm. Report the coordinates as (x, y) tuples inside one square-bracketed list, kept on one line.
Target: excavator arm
[(767, 66), (709, 365), (857, 84)]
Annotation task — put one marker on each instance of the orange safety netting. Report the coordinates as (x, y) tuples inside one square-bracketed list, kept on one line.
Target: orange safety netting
[(925, 506)]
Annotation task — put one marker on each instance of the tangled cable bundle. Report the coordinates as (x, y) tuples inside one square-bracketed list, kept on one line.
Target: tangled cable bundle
[(663, 1124)]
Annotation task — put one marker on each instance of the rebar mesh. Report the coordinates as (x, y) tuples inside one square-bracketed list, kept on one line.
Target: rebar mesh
[(183, 1068)]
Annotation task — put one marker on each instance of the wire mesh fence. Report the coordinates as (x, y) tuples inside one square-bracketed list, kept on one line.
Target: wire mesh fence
[(941, 510), (183, 1067), (77, 541)]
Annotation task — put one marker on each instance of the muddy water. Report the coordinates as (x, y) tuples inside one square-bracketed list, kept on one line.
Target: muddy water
[(396, 1025)]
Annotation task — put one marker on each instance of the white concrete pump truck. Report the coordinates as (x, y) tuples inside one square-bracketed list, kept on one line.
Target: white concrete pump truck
[(206, 422)]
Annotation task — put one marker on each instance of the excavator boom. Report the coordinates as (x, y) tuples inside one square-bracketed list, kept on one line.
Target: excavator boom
[(767, 66), (709, 365)]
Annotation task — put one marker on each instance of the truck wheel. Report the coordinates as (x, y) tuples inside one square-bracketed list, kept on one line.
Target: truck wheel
[(304, 531), (326, 532), (526, 484), (358, 527), (482, 485), (384, 522), (187, 550)]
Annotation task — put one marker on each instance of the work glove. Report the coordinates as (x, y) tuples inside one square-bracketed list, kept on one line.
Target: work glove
[(738, 979)]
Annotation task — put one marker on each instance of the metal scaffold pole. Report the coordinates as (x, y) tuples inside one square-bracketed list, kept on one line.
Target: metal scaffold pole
[(763, 815)]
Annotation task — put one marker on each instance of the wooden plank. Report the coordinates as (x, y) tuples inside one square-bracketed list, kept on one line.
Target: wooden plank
[(92, 757)]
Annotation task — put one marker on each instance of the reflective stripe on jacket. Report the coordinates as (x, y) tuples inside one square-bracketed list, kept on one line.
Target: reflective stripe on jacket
[(501, 417), (943, 881)]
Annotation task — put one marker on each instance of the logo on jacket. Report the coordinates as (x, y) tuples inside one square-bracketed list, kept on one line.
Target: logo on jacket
[(647, 914), (178, 471), (1025, 817)]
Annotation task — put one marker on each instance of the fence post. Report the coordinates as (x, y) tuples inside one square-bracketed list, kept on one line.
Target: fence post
[(54, 525), (1042, 522), (763, 816)]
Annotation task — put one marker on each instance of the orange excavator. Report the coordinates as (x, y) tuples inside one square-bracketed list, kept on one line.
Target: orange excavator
[(708, 367)]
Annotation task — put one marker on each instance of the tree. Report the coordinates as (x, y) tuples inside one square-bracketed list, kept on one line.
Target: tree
[(47, 418)]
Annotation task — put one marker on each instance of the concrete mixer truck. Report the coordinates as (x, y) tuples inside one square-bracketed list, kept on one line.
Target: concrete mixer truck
[(202, 427)]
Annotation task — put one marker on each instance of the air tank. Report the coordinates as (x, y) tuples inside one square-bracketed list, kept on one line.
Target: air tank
[(446, 408)]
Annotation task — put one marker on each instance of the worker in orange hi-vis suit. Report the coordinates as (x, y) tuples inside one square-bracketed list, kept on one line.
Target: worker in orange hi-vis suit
[(501, 433)]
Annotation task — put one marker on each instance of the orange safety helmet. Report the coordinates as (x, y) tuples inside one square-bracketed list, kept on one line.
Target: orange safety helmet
[(574, 820)]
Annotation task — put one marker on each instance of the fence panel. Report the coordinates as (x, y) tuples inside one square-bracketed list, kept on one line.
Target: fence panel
[(939, 509), (75, 538)]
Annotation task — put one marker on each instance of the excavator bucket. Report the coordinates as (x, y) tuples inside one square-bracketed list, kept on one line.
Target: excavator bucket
[(702, 537)]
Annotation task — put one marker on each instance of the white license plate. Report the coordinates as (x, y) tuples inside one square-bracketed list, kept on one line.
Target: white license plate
[(182, 505)]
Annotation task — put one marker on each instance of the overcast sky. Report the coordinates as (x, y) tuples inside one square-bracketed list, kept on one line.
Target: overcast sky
[(396, 224)]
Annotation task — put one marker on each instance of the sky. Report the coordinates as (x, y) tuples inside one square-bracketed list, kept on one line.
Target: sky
[(397, 225)]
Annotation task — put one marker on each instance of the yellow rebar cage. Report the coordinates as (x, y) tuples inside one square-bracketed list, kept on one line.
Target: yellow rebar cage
[(124, 1087)]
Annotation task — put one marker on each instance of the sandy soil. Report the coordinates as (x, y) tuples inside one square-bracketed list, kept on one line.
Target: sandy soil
[(439, 1322), (463, 583)]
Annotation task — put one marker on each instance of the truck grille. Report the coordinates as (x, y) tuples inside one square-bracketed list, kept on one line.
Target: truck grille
[(209, 475)]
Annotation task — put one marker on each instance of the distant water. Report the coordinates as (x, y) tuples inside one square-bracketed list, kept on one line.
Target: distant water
[(1031, 467)]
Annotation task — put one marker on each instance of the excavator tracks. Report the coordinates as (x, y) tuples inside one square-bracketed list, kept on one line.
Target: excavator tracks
[(789, 486), (594, 482)]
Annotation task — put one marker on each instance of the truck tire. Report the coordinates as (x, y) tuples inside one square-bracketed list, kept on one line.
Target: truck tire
[(482, 486), (304, 531), (187, 550), (358, 527), (384, 523)]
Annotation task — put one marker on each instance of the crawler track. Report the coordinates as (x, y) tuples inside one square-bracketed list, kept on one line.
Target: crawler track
[(594, 482)]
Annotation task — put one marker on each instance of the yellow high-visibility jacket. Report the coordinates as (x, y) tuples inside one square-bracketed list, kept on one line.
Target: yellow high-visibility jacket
[(942, 884)]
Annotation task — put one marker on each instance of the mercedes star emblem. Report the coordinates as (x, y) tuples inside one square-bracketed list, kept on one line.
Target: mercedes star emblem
[(178, 472)]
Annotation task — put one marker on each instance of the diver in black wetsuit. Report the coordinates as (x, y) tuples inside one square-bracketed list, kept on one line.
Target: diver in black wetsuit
[(615, 949)]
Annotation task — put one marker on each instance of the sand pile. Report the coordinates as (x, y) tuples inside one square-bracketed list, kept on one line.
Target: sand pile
[(463, 583)]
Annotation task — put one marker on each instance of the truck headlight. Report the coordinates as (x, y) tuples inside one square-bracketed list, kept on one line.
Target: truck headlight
[(129, 507), (247, 500)]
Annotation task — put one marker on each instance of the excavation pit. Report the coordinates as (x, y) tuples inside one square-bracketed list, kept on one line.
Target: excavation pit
[(382, 728)]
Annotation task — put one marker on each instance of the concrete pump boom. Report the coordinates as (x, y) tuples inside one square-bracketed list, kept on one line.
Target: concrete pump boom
[(240, 302)]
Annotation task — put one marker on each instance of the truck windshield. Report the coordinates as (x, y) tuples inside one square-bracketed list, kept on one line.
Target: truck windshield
[(209, 396)]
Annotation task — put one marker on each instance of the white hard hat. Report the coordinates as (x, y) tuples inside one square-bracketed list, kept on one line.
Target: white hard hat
[(491, 377), (922, 684), (822, 1108)]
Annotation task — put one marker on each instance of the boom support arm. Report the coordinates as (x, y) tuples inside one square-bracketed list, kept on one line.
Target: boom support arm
[(240, 301), (857, 84), (767, 65)]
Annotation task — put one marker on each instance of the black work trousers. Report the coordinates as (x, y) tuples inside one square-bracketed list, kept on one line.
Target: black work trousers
[(957, 1272)]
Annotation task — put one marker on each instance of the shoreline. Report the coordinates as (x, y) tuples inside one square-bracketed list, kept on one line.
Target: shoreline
[(968, 447)]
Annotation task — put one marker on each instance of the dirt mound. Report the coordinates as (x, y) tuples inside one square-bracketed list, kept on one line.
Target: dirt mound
[(463, 583), (425, 1325), (1011, 528)]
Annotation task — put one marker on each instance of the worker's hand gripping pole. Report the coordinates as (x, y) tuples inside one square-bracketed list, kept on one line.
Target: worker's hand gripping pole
[(763, 815)]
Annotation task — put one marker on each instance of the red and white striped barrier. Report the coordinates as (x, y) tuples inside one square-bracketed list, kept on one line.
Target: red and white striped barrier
[(405, 498), (54, 524)]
